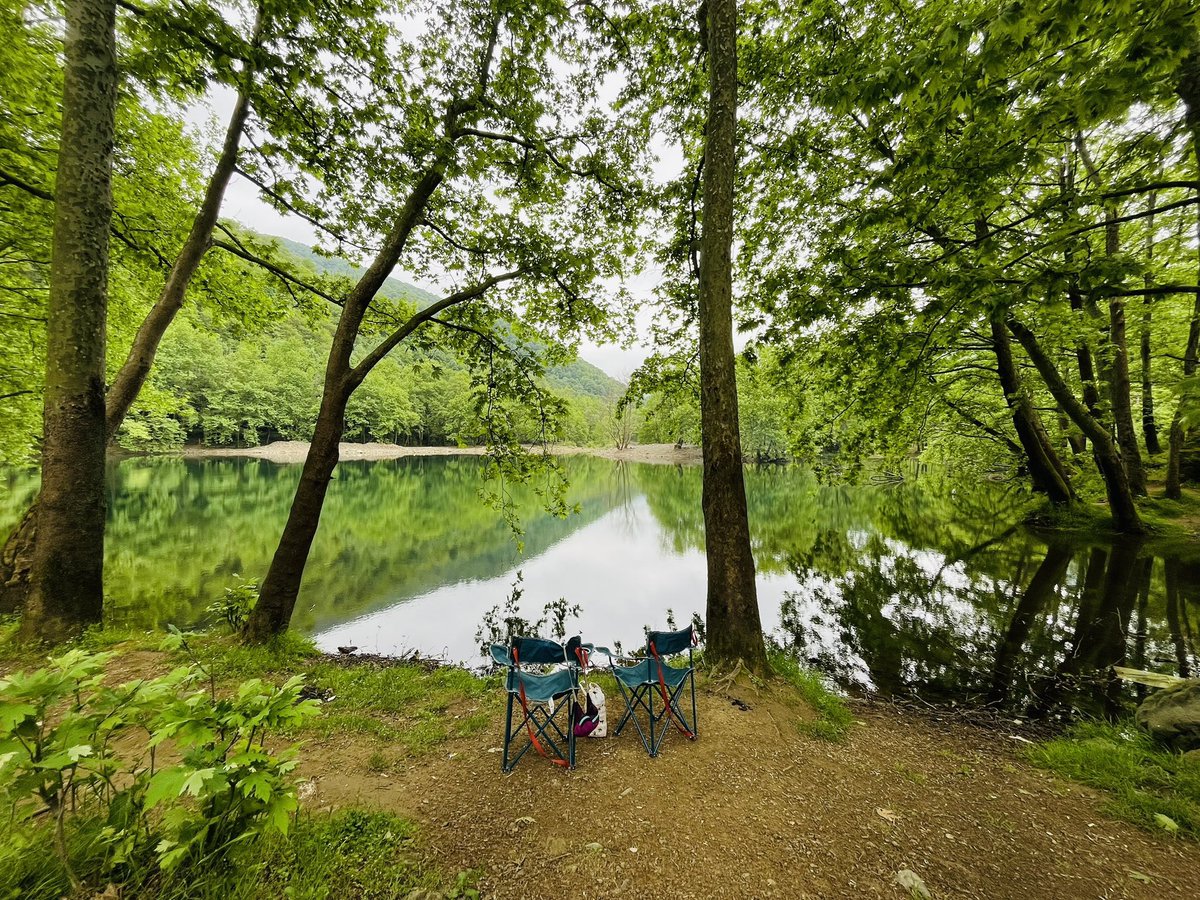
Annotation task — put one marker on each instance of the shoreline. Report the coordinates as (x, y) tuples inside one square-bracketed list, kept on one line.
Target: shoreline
[(288, 452)]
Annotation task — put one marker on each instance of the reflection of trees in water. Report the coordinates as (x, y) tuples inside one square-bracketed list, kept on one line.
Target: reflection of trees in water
[(1183, 642), (179, 530), (916, 626)]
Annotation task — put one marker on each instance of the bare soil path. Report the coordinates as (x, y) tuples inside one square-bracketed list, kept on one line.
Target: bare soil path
[(756, 808)]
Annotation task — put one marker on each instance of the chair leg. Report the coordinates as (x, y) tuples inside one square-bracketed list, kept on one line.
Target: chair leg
[(507, 733), (695, 721), (654, 745), (571, 733)]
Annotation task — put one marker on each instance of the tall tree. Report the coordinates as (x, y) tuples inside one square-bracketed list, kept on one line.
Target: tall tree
[(67, 569), (178, 51), (500, 181), (1188, 89), (733, 622)]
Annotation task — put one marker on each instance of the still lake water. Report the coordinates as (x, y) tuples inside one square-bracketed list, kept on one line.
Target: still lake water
[(925, 587)]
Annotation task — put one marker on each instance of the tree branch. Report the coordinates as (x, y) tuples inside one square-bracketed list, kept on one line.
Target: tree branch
[(356, 375), (239, 250)]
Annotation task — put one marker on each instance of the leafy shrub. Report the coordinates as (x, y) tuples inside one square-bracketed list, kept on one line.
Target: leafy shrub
[(85, 762), (235, 606)]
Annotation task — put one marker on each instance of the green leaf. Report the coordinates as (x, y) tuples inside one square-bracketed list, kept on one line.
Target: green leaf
[(165, 784), (1166, 823)]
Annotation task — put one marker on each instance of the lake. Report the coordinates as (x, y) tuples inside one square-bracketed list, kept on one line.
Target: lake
[(924, 586)]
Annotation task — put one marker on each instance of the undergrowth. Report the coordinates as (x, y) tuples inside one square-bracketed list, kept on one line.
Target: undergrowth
[(833, 715), (408, 705), (1144, 783), (353, 854)]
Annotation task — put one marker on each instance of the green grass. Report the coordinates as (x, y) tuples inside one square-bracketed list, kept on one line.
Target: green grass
[(406, 705), (353, 854), (1142, 781), (833, 715)]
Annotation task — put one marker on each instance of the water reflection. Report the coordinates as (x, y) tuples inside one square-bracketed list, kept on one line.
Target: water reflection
[(928, 586)]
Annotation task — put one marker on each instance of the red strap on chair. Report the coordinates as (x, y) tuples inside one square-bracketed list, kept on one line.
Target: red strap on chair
[(537, 745), (676, 719)]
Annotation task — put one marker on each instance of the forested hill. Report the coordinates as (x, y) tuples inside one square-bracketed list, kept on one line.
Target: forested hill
[(579, 377), (222, 379), (337, 266)]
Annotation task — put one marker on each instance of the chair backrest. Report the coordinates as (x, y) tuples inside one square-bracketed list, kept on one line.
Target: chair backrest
[(537, 651), (667, 642)]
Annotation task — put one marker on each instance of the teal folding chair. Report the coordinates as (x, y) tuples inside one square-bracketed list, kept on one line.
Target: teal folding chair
[(653, 676), (543, 699)]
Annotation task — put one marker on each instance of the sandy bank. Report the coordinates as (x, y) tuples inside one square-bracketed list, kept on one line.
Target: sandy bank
[(295, 452)]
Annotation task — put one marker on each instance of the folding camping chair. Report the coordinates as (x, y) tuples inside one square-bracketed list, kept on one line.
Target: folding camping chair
[(542, 699), (652, 675)]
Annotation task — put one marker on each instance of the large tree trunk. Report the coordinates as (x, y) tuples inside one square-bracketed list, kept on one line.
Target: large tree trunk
[(1045, 468), (1188, 89), (734, 627), (67, 567), (1116, 480), (17, 552), (277, 596)]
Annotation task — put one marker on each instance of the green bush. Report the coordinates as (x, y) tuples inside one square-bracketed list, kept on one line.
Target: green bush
[(156, 774), (236, 604)]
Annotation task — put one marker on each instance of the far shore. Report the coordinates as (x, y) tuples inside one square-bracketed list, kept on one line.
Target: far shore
[(296, 451)]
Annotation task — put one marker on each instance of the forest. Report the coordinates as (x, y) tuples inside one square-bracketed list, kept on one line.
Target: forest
[(916, 285)]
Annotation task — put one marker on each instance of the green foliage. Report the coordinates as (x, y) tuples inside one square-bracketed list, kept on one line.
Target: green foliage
[(235, 606), (367, 855), (89, 756), (503, 622), (833, 715), (1156, 788)]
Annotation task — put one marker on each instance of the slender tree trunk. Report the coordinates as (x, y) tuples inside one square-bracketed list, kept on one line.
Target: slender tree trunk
[(1075, 439), (1045, 468), (1118, 371), (66, 572), (281, 587), (1188, 90), (1083, 350), (734, 627), (136, 368), (17, 552), (1149, 425), (1116, 480)]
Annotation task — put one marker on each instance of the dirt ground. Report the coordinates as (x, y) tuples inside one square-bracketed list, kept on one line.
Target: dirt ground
[(755, 808), (296, 451)]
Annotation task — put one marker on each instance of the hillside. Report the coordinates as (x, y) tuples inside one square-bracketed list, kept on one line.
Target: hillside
[(580, 376), (339, 266)]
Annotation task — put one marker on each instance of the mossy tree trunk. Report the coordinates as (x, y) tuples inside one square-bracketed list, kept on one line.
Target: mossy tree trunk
[(67, 564), (1108, 457)]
